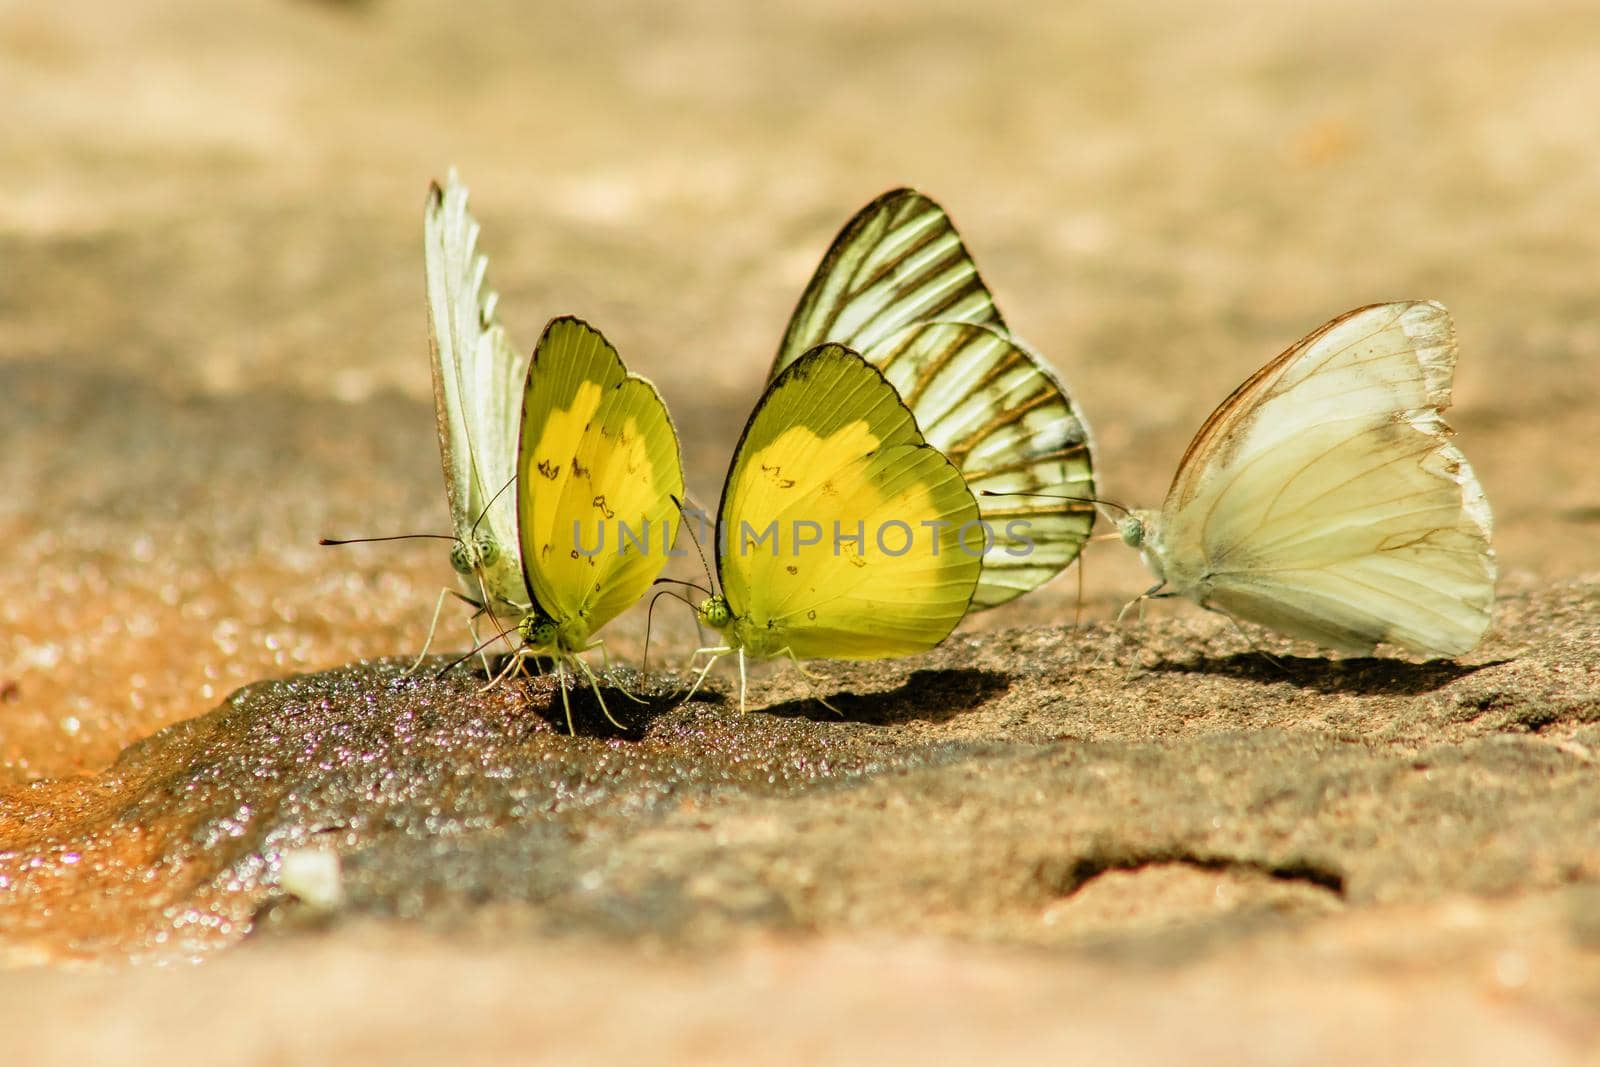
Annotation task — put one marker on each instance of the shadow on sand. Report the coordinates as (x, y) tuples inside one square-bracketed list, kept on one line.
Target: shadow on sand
[(1366, 676), (925, 696), (631, 704)]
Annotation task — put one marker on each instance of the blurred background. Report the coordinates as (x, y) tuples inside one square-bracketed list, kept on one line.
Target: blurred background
[(213, 340)]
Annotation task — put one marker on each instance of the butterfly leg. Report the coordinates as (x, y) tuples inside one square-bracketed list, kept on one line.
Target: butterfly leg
[(1077, 610), (538, 667), (1148, 594), (500, 632), (716, 652), (1153, 591), (477, 642), (741, 680), (518, 658), (611, 679), (538, 664), (812, 680), (566, 702), (438, 606), (1239, 629), (594, 684)]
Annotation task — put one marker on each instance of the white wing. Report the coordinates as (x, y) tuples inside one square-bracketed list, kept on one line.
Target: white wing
[(899, 286), (1325, 498), (898, 261), (478, 378)]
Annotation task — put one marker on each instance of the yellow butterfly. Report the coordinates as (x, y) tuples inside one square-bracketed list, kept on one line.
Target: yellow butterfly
[(598, 474), (1325, 499), (842, 533), (477, 380), (898, 286)]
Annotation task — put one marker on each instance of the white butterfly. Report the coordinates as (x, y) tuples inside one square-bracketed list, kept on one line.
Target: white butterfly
[(1325, 499), (899, 287), (478, 380)]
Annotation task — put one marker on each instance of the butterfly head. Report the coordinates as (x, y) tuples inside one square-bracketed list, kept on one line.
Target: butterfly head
[(480, 552), (1142, 530), (1134, 529), (715, 613), (538, 631)]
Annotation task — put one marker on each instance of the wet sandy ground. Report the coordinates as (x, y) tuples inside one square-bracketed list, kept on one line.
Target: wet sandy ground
[(1036, 840)]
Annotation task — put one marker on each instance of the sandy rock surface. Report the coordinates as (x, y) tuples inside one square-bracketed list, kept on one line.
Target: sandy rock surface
[(1147, 844)]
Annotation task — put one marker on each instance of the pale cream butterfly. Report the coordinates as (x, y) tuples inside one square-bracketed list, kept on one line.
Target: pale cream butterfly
[(899, 286), (478, 377), (1325, 499)]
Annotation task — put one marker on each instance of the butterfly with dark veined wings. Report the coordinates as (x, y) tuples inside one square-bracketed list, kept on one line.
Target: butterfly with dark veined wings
[(1325, 499), (477, 380), (899, 286), (841, 533), (478, 377)]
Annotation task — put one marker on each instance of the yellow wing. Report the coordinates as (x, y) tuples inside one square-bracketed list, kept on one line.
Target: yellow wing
[(597, 468), (840, 533)]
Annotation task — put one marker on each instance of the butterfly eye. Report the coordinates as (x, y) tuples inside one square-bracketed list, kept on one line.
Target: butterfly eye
[(461, 558), (488, 551), (714, 612), (1132, 531), (539, 631)]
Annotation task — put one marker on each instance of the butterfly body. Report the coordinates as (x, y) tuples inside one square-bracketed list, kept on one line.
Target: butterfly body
[(1325, 498), (757, 638)]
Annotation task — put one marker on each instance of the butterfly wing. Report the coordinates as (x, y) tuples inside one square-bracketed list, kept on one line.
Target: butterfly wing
[(831, 451), (1003, 418), (477, 384), (899, 286), (1325, 498), (898, 261), (597, 469)]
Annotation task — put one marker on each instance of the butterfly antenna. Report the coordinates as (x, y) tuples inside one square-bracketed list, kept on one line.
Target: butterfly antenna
[(483, 589), (485, 643), (649, 616), (483, 604), (500, 634), (485, 512), (1060, 496), (696, 586), (683, 514), (370, 540)]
